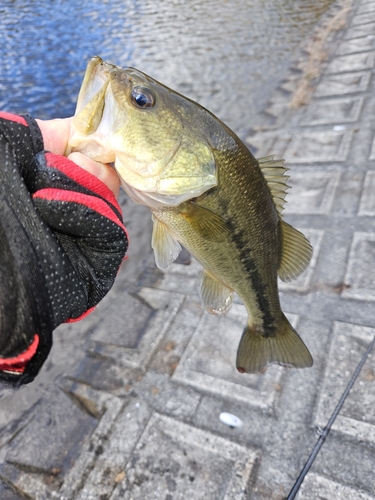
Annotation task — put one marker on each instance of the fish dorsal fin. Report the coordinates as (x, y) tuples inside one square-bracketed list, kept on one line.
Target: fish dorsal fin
[(166, 248), (216, 297), (296, 252), (205, 222), (274, 173)]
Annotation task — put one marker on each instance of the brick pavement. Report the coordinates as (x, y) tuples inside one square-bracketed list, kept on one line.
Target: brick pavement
[(138, 416)]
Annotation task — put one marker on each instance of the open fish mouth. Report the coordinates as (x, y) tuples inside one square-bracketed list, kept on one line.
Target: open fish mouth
[(114, 123), (94, 117)]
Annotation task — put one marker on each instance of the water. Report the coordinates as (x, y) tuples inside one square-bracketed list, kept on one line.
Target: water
[(229, 55)]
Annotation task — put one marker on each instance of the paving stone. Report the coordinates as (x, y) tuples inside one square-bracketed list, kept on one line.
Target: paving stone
[(351, 62), (265, 144), (356, 45), (345, 83), (208, 363), (176, 460), (360, 275), (372, 154), (310, 147), (312, 192), (315, 486), (357, 417), (148, 313), (367, 205), (333, 111), (106, 454), (52, 441), (363, 18), (360, 31), (366, 7)]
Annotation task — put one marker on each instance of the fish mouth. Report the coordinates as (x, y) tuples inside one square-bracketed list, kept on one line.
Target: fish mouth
[(94, 117), (96, 77), (150, 179)]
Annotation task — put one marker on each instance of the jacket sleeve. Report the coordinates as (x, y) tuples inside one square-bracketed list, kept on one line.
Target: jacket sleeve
[(62, 241)]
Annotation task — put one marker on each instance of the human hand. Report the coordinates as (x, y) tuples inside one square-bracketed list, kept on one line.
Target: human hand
[(56, 135)]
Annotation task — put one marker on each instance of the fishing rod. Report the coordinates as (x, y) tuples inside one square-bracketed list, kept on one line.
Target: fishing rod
[(327, 428)]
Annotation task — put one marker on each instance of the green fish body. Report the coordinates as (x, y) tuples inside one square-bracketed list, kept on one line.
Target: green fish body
[(206, 192)]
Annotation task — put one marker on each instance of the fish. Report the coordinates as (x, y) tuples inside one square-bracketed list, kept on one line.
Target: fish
[(207, 193)]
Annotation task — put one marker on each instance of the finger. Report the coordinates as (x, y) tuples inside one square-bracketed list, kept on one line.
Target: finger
[(104, 172), (55, 134)]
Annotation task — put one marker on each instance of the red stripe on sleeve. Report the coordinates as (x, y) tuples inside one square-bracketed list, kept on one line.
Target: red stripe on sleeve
[(81, 176), (19, 363), (13, 118), (92, 202), (86, 313)]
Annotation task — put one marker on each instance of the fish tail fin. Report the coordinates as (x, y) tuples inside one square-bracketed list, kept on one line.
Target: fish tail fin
[(285, 348)]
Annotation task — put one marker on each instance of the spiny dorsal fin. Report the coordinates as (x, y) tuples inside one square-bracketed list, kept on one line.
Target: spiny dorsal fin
[(274, 173), (296, 252)]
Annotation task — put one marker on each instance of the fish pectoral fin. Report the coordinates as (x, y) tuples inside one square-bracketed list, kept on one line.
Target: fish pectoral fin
[(285, 348), (205, 222), (296, 252), (216, 297), (165, 247)]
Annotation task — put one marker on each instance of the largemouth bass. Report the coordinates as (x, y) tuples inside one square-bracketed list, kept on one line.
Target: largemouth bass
[(206, 192)]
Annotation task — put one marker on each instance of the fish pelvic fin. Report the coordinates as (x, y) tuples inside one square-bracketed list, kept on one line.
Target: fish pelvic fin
[(166, 248), (296, 252), (285, 348)]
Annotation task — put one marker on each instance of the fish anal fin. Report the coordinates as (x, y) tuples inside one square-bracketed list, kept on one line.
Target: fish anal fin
[(274, 173), (165, 247), (205, 222), (216, 297), (285, 348), (296, 252)]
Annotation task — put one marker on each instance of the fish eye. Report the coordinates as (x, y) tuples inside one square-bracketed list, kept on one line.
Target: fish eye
[(143, 97)]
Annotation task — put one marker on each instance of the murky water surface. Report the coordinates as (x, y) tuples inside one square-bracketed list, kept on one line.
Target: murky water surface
[(227, 54)]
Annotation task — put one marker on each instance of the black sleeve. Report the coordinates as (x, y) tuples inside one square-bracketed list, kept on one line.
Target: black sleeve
[(62, 241)]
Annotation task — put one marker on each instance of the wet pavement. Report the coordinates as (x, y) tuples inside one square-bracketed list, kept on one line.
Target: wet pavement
[(137, 414)]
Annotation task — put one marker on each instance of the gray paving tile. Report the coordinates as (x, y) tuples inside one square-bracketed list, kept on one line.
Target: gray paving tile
[(363, 44), (176, 460), (329, 111), (372, 154), (33, 447), (366, 7), (367, 204), (265, 144), (316, 486), (345, 83), (152, 312), (208, 363), (357, 417), (351, 62), (360, 31), (312, 192), (310, 147), (360, 274), (364, 17)]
